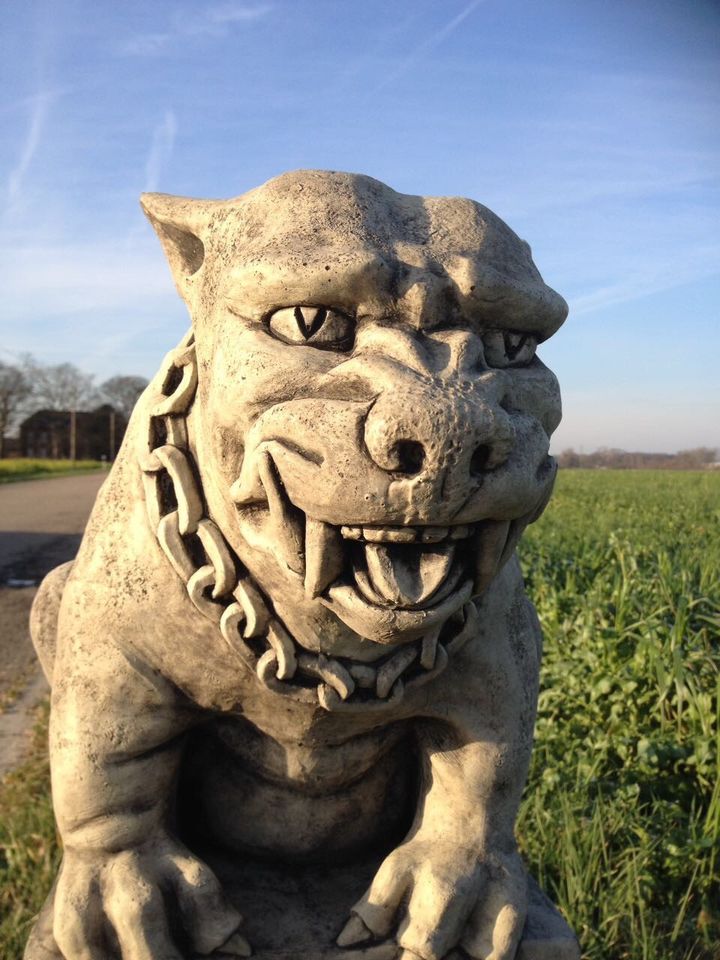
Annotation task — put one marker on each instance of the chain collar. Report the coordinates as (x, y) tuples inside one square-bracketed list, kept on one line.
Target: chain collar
[(223, 591)]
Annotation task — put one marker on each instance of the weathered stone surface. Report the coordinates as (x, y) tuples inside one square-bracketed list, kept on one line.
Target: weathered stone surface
[(294, 668)]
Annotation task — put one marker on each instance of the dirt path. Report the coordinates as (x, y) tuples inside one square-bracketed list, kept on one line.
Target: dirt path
[(41, 523)]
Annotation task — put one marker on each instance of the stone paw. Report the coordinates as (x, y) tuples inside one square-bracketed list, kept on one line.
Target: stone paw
[(431, 900), (146, 901)]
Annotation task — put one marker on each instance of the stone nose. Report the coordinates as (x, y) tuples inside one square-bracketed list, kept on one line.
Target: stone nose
[(438, 429)]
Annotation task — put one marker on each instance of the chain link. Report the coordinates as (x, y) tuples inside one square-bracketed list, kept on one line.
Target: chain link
[(223, 591), (176, 512)]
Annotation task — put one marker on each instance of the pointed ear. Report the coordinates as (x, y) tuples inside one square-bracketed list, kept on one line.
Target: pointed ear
[(179, 223)]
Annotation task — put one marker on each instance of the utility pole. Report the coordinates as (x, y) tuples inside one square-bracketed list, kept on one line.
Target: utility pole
[(112, 435), (73, 434)]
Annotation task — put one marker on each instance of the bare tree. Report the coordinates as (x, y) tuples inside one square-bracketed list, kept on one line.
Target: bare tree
[(697, 458), (568, 458), (63, 387), (15, 388), (123, 392)]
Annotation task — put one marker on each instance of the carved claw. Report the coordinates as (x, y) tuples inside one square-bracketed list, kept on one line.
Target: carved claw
[(354, 932), (236, 946)]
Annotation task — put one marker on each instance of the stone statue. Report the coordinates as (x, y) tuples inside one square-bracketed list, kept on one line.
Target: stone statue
[(294, 670)]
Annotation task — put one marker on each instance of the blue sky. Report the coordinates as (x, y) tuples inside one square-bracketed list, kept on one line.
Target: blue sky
[(591, 126)]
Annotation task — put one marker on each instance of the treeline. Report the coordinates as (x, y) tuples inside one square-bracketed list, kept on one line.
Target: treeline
[(699, 458), (29, 385)]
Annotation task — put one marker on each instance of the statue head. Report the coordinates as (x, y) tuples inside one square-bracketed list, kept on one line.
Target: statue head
[(371, 421)]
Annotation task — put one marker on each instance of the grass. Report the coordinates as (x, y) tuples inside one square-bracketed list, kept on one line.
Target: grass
[(16, 688), (29, 852), (621, 821), (25, 468)]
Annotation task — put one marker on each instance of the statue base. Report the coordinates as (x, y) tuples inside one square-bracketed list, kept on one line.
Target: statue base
[(295, 913)]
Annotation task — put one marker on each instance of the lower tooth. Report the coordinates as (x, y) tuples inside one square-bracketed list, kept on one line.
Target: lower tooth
[(429, 649), (491, 542), (516, 530)]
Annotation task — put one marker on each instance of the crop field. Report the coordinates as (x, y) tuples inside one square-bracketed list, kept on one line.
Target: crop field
[(25, 468), (621, 821)]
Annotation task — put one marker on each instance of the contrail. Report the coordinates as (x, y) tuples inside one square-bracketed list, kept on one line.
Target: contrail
[(37, 121), (429, 44), (161, 150)]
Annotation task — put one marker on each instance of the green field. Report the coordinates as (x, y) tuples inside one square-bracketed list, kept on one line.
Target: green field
[(621, 822), (25, 468)]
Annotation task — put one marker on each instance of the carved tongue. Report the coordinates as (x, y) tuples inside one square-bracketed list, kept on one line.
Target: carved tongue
[(408, 576)]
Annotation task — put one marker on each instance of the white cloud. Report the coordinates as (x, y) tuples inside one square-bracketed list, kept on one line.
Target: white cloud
[(91, 277), (238, 12), (147, 45), (213, 21), (107, 306), (636, 284)]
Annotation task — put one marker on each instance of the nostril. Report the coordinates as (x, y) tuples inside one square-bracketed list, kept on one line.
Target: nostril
[(409, 455), (479, 459)]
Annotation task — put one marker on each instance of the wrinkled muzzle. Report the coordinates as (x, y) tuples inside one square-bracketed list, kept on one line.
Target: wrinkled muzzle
[(394, 511)]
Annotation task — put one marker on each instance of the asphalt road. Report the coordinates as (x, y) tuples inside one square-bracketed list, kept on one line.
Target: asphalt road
[(41, 525)]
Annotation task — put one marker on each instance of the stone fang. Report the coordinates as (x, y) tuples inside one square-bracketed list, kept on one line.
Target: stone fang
[(287, 529), (324, 556)]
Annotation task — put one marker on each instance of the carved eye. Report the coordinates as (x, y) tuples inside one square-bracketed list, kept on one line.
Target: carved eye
[(321, 327), (506, 349)]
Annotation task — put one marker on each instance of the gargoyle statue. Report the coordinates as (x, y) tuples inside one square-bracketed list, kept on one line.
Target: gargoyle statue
[(294, 659)]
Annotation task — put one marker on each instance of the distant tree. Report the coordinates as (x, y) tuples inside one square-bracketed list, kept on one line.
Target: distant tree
[(696, 459), (62, 387), (15, 389), (568, 458), (122, 393), (700, 458)]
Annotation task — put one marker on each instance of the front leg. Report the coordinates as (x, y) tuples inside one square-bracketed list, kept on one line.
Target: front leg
[(457, 879), (450, 883), (127, 886)]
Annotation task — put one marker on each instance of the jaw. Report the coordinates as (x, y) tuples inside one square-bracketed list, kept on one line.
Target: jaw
[(389, 584)]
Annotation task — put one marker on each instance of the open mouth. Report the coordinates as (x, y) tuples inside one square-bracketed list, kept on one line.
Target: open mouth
[(406, 567), (387, 582), (398, 582)]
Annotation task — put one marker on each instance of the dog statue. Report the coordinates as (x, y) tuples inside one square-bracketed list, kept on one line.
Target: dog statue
[(294, 659)]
